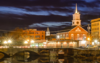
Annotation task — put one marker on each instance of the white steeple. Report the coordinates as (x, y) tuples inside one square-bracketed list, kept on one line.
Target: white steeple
[(76, 9), (48, 32), (76, 18)]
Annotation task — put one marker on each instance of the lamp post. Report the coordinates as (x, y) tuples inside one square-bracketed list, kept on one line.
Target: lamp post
[(27, 42), (88, 40), (9, 43), (96, 42), (89, 32), (32, 41)]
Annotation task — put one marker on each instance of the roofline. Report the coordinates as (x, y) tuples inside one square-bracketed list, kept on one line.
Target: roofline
[(79, 26)]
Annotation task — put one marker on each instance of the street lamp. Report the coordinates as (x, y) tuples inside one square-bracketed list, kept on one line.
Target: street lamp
[(5, 42), (32, 41), (8, 42), (95, 41), (25, 42), (58, 36)]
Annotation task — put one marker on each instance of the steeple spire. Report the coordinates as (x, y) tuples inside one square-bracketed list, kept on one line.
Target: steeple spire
[(76, 18), (76, 9)]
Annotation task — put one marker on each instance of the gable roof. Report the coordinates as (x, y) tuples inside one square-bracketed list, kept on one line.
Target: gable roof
[(67, 29)]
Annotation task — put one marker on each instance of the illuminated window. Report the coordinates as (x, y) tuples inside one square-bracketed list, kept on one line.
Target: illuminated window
[(66, 35), (72, 36), (84, 36), (78, 36), (63, 35)]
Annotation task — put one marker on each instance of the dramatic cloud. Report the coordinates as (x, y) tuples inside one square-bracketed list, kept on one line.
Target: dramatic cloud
[(50, 24), (45, 13)]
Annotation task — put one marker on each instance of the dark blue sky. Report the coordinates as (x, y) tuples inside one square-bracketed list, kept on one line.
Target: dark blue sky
[(40, 14)]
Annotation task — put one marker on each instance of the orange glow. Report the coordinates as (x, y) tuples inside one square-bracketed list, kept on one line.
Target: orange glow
[(27, 39), (88, 38), (64, 42)]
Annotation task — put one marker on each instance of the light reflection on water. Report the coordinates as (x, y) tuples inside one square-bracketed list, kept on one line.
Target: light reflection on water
[(47, 60)]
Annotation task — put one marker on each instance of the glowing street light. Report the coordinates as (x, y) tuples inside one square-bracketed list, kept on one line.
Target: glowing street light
[(58, 36), (25, 42), (96, 41), (9, 41), (92, 43), (32, 41), (5, 42), (88, 38)]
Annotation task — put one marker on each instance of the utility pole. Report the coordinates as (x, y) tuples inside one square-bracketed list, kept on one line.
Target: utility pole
[(89, 32)]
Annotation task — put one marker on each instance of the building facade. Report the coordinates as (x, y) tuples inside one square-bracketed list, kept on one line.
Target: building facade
[(95, 29), (75, 34), (34, 34)]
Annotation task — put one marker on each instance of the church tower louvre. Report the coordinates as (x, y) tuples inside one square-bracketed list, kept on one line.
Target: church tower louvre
[(76, 18)]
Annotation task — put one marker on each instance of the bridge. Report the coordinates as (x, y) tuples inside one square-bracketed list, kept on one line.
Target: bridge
[(40, 51), (49, 51)]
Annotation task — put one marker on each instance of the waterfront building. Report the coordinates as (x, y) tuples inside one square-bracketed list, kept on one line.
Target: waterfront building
[(50, 36), (95, 29), (34, 34), (74, 35)]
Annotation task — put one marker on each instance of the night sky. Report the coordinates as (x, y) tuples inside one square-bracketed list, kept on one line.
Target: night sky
[(39, 14)]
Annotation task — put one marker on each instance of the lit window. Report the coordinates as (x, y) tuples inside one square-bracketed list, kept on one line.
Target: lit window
[(72, 36), (66, 35), (84, 36), (77, 36)]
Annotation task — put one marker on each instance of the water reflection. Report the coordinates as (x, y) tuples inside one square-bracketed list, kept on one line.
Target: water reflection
[(33, 59)]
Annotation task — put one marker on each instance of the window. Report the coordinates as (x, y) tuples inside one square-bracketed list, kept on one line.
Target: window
[(31, 36), (77, 22), (73, 22), (63, 35), (37, 36), (42, 35), (31, 32), (66, 35), (72, 36), (78, 36), (84, 36), (36, 32)]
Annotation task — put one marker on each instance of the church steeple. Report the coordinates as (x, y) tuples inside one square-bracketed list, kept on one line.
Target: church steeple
[(76, 9), (48, 32), (76, 18)]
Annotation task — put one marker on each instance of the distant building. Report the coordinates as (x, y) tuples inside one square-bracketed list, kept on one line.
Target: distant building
[(50, 36), (34, 34), (95, 29), (48, 32)]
